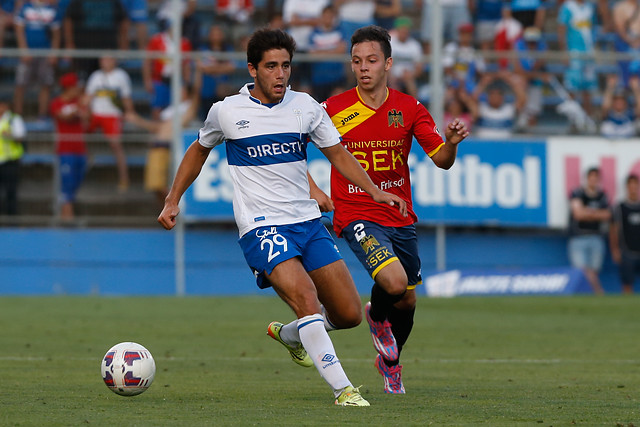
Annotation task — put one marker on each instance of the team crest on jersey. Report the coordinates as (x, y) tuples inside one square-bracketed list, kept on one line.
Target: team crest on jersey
[(369, 244), (395, 118)]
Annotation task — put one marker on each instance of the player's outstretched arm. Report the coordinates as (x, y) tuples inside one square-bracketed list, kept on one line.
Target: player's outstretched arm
[(188, 171), (454, 133), (349, 167)]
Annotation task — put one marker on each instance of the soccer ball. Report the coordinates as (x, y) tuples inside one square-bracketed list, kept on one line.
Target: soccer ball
[(128, 369)]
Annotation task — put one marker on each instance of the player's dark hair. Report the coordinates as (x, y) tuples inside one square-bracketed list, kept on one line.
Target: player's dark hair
[(593, 170), (373, 33), (266, 39), (632, 177)]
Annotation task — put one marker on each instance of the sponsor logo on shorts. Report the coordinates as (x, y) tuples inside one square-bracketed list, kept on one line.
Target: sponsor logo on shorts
[(379, 256)]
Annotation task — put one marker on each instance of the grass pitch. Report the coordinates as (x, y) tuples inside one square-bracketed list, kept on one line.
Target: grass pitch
[(470, 361)]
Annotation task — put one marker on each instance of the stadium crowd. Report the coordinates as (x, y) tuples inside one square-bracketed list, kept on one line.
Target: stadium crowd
[(497, 71), (510, 66)]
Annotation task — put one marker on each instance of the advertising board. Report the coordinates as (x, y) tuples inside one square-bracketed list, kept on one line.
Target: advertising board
[(569, 158), (500, 183)]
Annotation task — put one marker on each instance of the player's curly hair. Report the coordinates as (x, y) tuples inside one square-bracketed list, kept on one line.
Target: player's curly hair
[(373, 33), (266, 39)]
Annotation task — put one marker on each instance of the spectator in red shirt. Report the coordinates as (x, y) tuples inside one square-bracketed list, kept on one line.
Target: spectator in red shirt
[(156, 72), (70, 120)]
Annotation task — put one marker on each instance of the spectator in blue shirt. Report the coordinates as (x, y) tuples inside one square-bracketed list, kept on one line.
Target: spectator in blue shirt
[(496, 114), (463, 65), (215, 71), (326, 39), (530, 64), (386, 12), (137, 14), (618, 116), (576, 20), (530, 13), (626, 22), (37, 27), (486, 14)]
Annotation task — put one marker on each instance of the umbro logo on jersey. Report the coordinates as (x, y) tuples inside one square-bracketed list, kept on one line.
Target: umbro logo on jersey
[(242, 124)]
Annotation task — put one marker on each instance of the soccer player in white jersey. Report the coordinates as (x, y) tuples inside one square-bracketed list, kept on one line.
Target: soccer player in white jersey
[(267, 128)]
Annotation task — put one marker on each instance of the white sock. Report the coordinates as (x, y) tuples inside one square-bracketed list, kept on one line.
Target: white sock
[(289, 332), (327, 323), (316, 341)]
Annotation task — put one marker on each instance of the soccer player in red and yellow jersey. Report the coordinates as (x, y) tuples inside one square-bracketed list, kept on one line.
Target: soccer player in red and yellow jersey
[(377, 125)]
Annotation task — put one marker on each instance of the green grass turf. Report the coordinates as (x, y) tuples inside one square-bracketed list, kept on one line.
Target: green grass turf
[(470, 361)]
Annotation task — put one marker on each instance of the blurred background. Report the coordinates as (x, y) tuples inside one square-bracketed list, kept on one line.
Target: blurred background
[(89, 92)]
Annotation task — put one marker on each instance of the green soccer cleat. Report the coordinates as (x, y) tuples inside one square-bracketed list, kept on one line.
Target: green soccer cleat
[(351, 396), (298, 353)]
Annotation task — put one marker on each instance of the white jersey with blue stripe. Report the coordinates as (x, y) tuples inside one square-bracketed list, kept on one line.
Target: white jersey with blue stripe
[(267, 154)]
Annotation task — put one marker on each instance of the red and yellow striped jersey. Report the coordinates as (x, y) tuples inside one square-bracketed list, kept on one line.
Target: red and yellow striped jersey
[(380, 140)]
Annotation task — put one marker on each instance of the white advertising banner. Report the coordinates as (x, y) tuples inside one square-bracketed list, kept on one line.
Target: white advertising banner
[(569, 158)]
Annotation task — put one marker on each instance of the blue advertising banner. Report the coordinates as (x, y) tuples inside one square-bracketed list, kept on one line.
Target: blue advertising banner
[(211, 195), (547, 281), (490, 183)]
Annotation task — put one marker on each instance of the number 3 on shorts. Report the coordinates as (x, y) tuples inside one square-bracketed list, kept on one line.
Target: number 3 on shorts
[(275, 243)]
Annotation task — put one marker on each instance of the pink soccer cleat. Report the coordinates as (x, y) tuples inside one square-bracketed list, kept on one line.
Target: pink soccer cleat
[(383, 339)]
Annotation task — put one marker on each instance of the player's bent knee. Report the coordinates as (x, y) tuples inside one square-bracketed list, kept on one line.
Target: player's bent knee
[(303, 304), (396, 287), (348, 320), (393, 282), (347, 317)]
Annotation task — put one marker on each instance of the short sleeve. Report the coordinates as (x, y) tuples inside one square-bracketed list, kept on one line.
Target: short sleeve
[(323, 133), (125, 91), (211, 133), (92, 84), (18, 128), (604, 201), (426, 131), (576, 194)]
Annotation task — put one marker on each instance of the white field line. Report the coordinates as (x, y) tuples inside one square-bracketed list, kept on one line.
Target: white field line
[(349, 360)]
